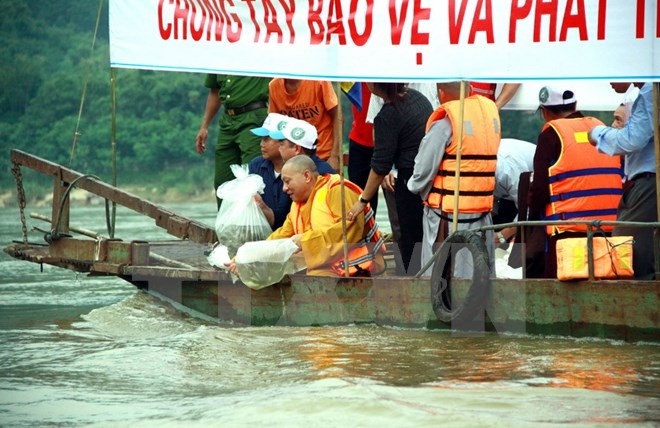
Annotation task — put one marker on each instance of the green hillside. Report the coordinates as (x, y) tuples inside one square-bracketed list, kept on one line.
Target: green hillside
[(46, 59)]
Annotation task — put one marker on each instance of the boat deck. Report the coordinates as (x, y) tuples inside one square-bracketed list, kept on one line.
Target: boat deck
[(175, 258)]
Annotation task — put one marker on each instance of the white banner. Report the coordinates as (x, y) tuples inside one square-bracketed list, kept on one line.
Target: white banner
[(391, 40)]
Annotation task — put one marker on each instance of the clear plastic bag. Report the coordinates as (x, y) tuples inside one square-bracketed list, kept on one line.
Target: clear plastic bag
[(219, 256), (263, 263), (240, 219)]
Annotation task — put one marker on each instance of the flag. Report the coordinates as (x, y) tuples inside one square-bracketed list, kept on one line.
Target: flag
[(353, 90)]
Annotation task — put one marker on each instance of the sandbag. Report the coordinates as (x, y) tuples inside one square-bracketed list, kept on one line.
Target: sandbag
[(263, 263), (239, 218)]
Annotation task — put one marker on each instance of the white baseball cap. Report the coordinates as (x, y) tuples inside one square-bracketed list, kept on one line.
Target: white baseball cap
[(298, 132), (273, 123), (551, 95)]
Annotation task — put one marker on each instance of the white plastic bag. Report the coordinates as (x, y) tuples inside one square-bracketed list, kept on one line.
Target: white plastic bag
[(240, 219), (263, 263), (219, 256)]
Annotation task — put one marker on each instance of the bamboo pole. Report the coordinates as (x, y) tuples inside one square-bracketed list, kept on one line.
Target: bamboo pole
[(339, 130), (656, 141), (113, 98), (76, 132), (457, 181)]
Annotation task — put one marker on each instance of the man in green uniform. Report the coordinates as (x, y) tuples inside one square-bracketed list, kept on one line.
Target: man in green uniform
[(245, 100)]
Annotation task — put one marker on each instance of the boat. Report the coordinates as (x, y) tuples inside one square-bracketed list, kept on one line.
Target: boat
[(177, 272)]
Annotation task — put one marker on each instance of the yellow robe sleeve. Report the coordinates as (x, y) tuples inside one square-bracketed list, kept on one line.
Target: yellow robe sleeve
[(284, 231), (324, 246)]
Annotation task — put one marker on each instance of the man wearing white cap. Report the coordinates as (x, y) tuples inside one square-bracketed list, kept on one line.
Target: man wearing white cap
[(572, 181), (298, 137), (274, 202)]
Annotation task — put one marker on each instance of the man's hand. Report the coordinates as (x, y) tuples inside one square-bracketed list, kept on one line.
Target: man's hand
[(296, 240), (592, 138), (200, 141), (502, 237), (231, 266), (268, 212), (355, 210), (388, 182)]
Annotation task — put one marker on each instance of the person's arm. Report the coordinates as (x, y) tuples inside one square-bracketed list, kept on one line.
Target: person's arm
[(370, 190), (285, 231), (508, 91), (333, 160), (389, 181), (324, 245), (547, 151), (635, 135), (506, 178), (503, 236), (274, 94), (431, 151), (213, 104), (268, 212), (386, 134)]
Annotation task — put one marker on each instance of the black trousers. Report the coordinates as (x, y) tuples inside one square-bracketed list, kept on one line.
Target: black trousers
[(410, 211)]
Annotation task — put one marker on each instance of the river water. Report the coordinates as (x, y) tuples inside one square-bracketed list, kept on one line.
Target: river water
[(79, 351)]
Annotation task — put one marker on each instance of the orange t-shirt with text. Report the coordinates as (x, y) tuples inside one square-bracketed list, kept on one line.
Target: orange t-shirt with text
[(311, 102)]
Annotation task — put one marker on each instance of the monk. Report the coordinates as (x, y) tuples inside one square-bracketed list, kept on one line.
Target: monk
[(314, 223)]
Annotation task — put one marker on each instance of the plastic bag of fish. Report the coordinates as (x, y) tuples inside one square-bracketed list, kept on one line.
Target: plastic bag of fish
[(263, 263), (239, 218)]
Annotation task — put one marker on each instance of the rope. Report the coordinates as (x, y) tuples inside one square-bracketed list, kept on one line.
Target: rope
[(113, 92), (76, 133)]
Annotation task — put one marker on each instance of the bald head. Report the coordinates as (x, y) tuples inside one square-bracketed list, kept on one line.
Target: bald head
[(300, 164), (450, 87), (449, 91), (299, 175), (620, 118)]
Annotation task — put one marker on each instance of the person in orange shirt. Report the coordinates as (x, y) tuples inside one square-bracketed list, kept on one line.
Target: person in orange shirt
[(315, 102)]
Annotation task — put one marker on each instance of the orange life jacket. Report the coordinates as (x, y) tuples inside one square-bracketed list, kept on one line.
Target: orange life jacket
[(361, 256), (584, 184), (484, 89), (481, 139)]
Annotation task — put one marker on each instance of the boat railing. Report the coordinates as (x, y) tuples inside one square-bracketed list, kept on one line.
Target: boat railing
[(593, 228), (64, 179)]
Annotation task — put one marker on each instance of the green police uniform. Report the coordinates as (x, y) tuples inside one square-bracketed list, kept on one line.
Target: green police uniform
[(245, 102)]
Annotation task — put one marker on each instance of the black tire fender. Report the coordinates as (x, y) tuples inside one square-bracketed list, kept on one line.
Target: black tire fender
[(476, 298)]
